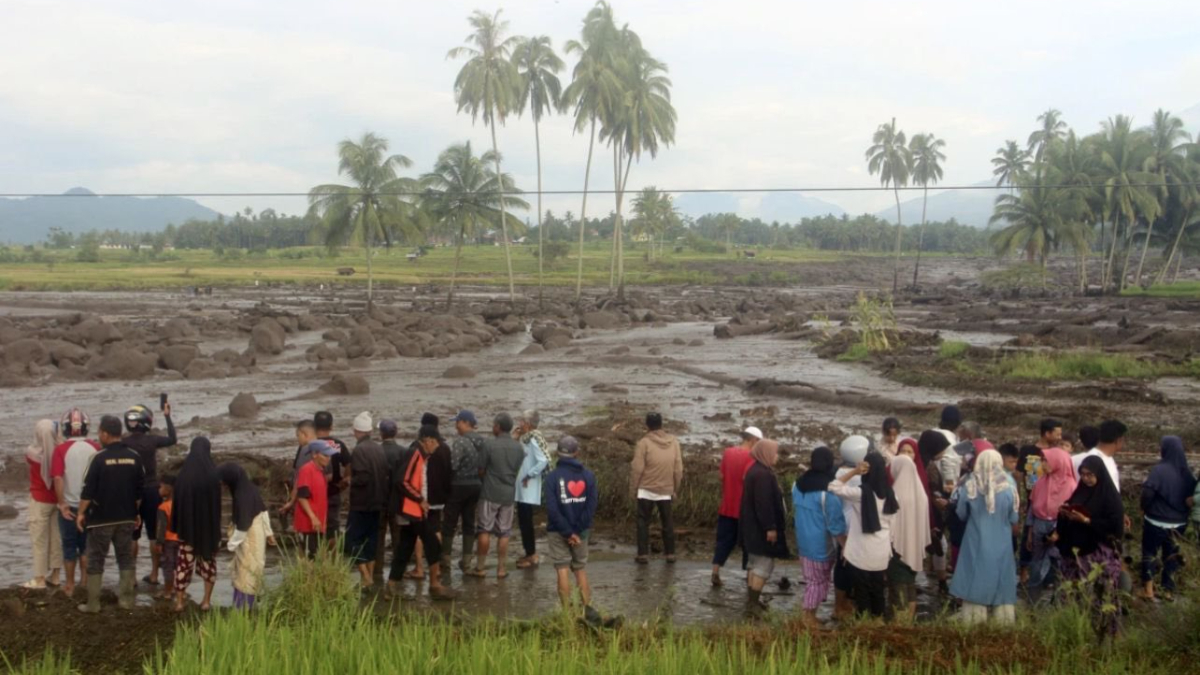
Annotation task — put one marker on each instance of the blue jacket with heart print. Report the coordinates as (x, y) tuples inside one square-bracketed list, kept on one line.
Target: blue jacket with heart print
[(571, 498)]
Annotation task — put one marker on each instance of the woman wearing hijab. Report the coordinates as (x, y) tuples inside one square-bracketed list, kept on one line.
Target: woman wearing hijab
[(985, 578), (43, 508), (1165, 511), (1090, 527), (1051, 491), (762, 519), (869, 540), (819, 521), (196, 519), (930, 447), (249, 534), (910, 535), (852, 452)]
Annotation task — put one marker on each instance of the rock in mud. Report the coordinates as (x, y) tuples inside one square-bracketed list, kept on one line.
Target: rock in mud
[(178, 329), (8, 512), (243, 406), (27, 351), (458, 373), (360, 343), (122, 363), (601, 320), (267, 337), (696, 343), (63, 353), (533, 349), (510, 326), (177, 357), (347, 385), (97, 332), (204, 369)]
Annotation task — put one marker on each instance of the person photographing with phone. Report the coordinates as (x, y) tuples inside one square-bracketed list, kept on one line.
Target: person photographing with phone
[(139, 420)]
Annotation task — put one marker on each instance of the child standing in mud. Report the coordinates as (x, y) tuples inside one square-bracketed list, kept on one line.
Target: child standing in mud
[(167, 542)]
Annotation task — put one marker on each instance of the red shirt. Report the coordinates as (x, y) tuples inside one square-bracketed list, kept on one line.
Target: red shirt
[(312, 477), (734, 464), (37, 487)]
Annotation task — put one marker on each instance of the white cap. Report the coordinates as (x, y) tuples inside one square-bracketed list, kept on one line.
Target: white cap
[(854, 449), (753, 431), (363, 422)]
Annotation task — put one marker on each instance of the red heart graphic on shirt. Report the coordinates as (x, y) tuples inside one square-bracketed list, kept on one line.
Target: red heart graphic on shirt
[(576, 487)]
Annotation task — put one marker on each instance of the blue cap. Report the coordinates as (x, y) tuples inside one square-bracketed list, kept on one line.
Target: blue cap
[(388, 427), (324, 448), (466, 416)]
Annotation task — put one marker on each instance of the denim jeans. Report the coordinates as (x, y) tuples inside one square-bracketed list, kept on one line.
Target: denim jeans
[(1154, 539)]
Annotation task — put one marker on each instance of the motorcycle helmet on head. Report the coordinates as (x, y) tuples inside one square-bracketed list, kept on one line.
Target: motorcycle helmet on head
[(74, 424), (139, 418)]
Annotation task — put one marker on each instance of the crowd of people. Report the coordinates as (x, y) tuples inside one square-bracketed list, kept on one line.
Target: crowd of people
[(979, 520)]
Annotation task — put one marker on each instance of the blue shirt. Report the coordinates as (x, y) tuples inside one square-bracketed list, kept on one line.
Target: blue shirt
[(819, 518)]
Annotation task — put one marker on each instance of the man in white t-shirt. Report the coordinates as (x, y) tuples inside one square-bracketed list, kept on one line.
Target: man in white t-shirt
[(1112, 441), (68, 466)]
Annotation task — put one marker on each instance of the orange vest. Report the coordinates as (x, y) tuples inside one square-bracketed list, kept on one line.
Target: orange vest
[(164, 511), (414, 481)]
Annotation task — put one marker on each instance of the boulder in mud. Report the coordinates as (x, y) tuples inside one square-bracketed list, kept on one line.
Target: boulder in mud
[(178, 329), (204, 369), (359, 344), (122, 363), (347, 385), (94, 332), (267, 337), (601, 320), (459, 372), (557, 341), (177, 357), (63, 353), (510, 326), (243, 406), (27, 351), (533, 349), (8, 512)]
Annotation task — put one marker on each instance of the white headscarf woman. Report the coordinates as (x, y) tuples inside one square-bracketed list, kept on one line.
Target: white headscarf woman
[(989, 479), (45, 438), (910, 526)]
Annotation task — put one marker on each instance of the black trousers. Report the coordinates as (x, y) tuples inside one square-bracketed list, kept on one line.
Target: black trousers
[(869, 590), (727, 539), (409, 534), (644, 509), (525, 522), (461, 506)]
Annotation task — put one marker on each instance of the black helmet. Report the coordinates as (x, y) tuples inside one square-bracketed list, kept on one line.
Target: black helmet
[(139, 418), (74, 424)]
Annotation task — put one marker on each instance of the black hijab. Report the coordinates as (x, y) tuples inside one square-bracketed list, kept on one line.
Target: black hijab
[(1171, 479), (1103, 506), (247, 500), (820, 472), (196, 512), (930, 445), (875, 486)]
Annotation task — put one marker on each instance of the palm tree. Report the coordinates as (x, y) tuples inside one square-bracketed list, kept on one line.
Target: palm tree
[(1011, 163), (1184, 206), (462, 192), (654, 214), (538, 67), (489, 86), (889, 157), (644, 120), (926, 151), (1123, 155), (728, 223), (1053, 129), (592, 93), (1075, 163), (1039, 217), (1169, 142), (373, 205)]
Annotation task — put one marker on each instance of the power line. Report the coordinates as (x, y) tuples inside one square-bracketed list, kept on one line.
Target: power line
[(760, 190)]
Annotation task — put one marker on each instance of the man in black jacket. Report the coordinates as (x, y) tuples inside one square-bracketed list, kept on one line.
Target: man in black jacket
[(108, 510), (139, 420)]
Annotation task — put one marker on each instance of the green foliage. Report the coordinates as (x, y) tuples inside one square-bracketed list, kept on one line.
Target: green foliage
[(553, 251), (1057, 366), (856, 352), (876, 322), (952, 349)]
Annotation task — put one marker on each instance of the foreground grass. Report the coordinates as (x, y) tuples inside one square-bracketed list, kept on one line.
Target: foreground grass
[(1181, 289), (481, 265), (1051, 366)]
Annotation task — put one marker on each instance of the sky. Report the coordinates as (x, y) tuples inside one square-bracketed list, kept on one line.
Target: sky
[(253, 96)]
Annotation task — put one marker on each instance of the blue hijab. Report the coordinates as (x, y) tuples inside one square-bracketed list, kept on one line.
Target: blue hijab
[(1171, 479)]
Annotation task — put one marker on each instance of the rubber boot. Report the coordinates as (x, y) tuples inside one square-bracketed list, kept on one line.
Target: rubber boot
[(125, 593), (94, 584), (754, 606)]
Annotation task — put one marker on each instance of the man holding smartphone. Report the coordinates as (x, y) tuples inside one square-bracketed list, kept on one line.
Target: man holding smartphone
[(139, 420)]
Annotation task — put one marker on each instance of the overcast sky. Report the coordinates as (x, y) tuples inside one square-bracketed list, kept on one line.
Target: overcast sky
[(130, 96)]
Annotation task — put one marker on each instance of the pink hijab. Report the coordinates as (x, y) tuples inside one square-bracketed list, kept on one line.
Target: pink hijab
[(1055, 487), (766, 452)]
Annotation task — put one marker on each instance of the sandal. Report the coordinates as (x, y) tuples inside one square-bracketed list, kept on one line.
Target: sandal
[(34, 585), (476, 573), (527, 563), (413, 574)]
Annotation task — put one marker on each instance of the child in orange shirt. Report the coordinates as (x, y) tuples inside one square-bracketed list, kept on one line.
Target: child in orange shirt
[(167, 542)]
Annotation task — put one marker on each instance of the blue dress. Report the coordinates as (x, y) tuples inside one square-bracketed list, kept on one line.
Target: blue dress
[(986, 573)]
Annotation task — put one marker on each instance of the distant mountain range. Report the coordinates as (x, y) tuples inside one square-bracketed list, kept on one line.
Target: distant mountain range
[(26, 221), (968, 207), (786, 207)]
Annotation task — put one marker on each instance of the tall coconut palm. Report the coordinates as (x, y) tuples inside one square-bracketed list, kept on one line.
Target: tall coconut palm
[(1184, 206), (1128, 188), (1010, 164), (927, 156), (1075, 163), (889, 157), (642, 123), (461, 193), (593, 92), (1053, 129), (541, 91), (373, 206), (1168, 143), (488, 87), (1039, 217)]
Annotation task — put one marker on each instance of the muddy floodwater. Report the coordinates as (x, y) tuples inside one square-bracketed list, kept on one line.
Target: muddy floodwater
[(664, 359)]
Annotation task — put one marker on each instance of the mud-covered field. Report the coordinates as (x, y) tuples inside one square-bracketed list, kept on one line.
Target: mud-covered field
[(711, 359)]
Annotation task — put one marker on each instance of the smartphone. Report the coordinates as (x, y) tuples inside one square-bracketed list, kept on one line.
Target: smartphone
[(162, 402)]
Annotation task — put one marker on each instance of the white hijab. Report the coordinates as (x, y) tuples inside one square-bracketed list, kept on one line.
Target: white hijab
[(989, 479), (910, 526), (45, 437)]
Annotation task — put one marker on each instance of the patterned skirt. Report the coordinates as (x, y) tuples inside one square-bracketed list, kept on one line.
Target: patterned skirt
[(1095, 578)]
